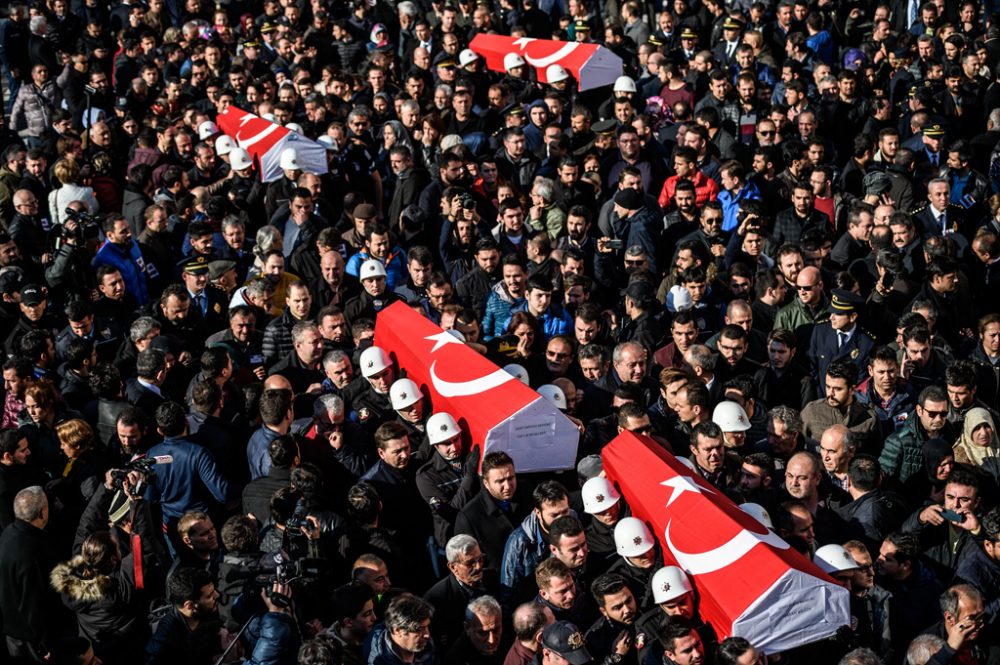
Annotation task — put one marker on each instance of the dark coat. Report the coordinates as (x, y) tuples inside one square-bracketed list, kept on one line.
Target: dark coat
[(449, 598), (28, 604), (257, 494), (483, 519)]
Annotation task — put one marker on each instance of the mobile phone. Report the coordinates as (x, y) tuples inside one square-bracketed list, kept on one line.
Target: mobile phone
[(952, 516), (614, 244)]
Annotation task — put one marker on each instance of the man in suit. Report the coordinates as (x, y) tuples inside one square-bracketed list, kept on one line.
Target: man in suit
[(725, 51), (143, 390), (494, 512), (940, 217), (467, 579), (208, 306), (840, 337)]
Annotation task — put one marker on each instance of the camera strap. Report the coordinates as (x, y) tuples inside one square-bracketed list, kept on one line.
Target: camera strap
[(136, 553)]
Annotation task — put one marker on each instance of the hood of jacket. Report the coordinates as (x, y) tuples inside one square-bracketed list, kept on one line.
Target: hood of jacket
[(68, 578)]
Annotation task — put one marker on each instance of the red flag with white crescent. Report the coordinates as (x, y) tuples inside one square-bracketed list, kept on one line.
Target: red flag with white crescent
[(750, 582), (498, 411), (265, 140), (592, 65)]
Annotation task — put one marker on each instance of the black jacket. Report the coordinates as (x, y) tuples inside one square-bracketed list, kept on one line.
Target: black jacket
[(28, 605), (140, 396), (257, 494), (447, 489), (449, 598), (483, 519), (872, 516)]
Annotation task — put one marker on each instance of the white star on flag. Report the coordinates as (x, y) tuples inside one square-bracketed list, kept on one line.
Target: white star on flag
[(442, 338), (680, 484)]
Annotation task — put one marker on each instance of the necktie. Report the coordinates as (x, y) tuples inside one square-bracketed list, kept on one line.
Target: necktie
[(841, 339), (934, 158), (730, 47), (202, 305), (912, 17)]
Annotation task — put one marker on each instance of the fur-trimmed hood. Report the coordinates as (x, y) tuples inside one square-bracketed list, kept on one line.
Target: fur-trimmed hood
[(68, 578)]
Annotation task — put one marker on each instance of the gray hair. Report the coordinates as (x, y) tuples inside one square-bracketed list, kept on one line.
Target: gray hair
[(937, 181), (410, 105), (301, 328), (230, 221), (37, 23), (635, 250), (407, 612), (860, 656), (922, 648), (336, 356), (486, 606), (616, 355), (268, 238), (952, 595), (787, 416), (700, 356), (924, 304), (546, 189), (328, 403), (994, 119), (142, 327), (459, 545), (408, 8), (444, 87), (360, 111), (259, 288), (29, 503)]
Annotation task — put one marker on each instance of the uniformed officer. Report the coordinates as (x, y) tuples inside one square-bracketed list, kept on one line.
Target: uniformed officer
[(372, 406), (674, 598), (209, 307), (448, 480), (840, 337), (411, 412)]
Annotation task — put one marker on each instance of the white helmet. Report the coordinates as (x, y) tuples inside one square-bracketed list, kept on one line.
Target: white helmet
[(632, 538), (834, 558), (240, 159), (327, 142), (730, 417), (371, 269), (373, 361), (224, 145), (556, 73), (512, 60), (404, 393), (624, 84), (668, 583), (554, 394), (441, 427), (517, 371), (759, 513), (206, 129), (294, 127), (599, 495), (289, 160), (467, 56)]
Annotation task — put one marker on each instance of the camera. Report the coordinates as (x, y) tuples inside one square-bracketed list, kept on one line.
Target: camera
[(467, 201), (87, 226), (143, 465)]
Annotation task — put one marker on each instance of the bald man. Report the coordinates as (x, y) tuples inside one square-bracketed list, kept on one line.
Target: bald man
[(739, 313), (804, 482), (807, 308), (836, 448)]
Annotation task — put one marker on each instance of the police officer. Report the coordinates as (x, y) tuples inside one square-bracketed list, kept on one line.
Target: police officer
[(674, 598), (448, 480), (372, 406), (408, 402), (840, 337), (638, 560)]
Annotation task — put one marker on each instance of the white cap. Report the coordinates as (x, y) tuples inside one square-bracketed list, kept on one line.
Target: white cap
[(371, 269), (373, 360), (599, 495), (441, 427), (404, 393), (554, 394), (668, 583), (327, 142), (556, 73), (224, 145), (759, 513), (730, 417), (206, 129), (240, 159), (517, 371), (512, 60), (294, 127), (467, 56), (268, 116), (679, 299), (834, 558), (632, 538), (290, 160), (624, 84)]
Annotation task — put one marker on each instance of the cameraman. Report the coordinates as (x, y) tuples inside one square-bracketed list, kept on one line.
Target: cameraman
[(241, 539), (70, 273), (292, 532)]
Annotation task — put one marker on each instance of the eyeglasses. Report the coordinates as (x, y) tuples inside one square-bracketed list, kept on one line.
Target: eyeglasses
[(473, 562), (805, 287), (713, 220), (936, 414), (765, 132), (646, 429)]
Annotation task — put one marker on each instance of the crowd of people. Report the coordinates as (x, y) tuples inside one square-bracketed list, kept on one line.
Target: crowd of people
[(770, 245)]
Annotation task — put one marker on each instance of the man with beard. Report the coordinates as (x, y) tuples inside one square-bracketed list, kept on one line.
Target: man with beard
[(333, 286), (495, 511), (783, 382), (451, 173), (193, 612), (528, 544), (334, 330), (508, 293), (375, 295), (615, 634), (244, 342), (466, 581), (410, 182), (173, 313), (604, 505), (840, 407), (448, 480), (473, 289), (122, 252)]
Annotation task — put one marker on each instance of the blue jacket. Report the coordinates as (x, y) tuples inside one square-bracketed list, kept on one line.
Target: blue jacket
[(378, 650), (554, 321), (131, 265), (983, 573), (276, 640), (731, 203), (258, 455), (499, 305), (395, 267), (188, 482), (524, 550)]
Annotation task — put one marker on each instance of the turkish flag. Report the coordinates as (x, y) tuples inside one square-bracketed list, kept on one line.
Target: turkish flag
[(265, 140), (592, 65), (750, 582), (498, 411)]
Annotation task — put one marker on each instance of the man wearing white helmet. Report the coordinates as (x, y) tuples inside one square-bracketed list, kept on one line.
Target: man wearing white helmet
[(733, 421), (375, 295), (638, 558), (603, 503), (449, 479), (516, 78), (373, 406), (280, 191), (675, 600)]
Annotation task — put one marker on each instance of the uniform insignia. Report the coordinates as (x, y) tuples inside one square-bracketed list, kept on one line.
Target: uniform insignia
[(640, 640), (364, 414), (854, 354), (371, 363), (575, 641), (444, 428), (665, 586), (217, 308), (402, 395), (599, 498), (637, 540)]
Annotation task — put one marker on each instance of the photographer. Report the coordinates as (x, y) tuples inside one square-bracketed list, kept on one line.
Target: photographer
[(191, 621), (70, 273), (292, 531)]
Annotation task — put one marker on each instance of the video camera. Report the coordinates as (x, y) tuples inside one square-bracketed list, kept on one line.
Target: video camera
[(143, 465), (86, 226)]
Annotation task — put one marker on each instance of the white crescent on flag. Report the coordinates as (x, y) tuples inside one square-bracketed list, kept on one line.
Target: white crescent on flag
[(542, 63)]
